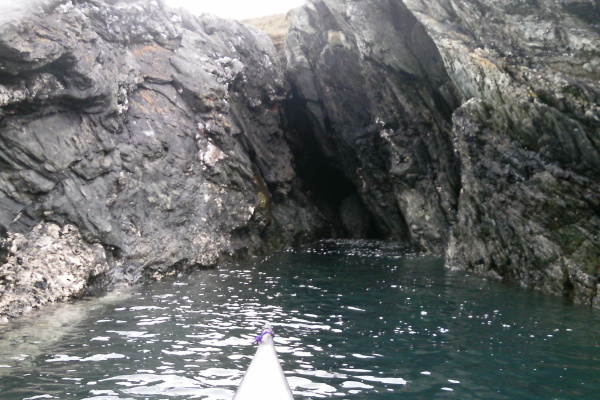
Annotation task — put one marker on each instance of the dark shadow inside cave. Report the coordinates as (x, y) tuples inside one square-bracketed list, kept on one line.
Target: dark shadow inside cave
[(323, 180)]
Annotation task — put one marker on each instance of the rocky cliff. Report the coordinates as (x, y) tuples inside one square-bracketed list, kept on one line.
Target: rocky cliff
[(469, 127), (138, 142), (528, 136), (376, 102)]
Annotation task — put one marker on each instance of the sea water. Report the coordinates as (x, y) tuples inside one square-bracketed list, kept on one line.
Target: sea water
[(353, 319)]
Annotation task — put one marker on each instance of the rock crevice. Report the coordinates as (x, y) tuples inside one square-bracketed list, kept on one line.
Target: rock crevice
[(142, 142), (479, 141), (155, 135)]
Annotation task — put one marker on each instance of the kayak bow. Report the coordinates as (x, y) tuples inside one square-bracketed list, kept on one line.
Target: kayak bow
[(264, 379)]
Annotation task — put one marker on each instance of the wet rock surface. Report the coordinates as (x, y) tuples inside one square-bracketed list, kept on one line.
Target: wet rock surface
[(468, 127), (376, 102), (153, 135), (138, 142), (528, 136), (50, 263)]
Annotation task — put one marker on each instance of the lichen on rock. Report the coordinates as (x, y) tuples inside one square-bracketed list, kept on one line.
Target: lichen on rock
[(475, 140), (137, 142), (51, 263)]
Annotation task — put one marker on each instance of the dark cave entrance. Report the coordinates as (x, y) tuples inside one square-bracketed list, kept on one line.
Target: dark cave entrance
[(323, 179)]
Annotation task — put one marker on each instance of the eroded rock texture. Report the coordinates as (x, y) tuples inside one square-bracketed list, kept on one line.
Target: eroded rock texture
[(136, 142), (465, 125), (147, 140), (50, 263), (373, 97), (528, 137)]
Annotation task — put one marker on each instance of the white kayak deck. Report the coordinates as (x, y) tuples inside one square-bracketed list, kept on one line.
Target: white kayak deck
[(264, 379)]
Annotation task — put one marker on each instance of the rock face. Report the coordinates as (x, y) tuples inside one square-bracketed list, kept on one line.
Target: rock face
[(136, 142), (49, 263), (478, 139), (528, 136), (374, 99)]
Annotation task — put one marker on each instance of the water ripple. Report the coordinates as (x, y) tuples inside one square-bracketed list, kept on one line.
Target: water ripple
[(353, 320)]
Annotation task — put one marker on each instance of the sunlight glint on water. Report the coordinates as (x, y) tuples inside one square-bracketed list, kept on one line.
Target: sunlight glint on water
[(354, 320)]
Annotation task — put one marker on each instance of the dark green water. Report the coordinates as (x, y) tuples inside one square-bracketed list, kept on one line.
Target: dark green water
[(354, 320)]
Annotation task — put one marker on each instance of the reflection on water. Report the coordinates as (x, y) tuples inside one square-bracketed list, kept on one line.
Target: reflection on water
[(354, 320), (24, 339)]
